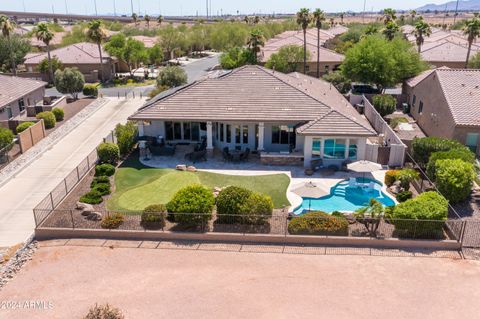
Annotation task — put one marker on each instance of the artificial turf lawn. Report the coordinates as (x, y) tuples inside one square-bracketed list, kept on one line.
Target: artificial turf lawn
[(138, 186)]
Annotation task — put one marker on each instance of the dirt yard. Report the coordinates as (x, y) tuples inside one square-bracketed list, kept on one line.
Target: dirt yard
[(233, 281)]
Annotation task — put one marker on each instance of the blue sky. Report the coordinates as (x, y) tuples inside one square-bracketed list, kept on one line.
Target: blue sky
[(190, 7)]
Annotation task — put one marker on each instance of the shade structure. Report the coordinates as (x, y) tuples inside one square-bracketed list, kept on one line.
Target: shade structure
[(364, 167), (310, 190)]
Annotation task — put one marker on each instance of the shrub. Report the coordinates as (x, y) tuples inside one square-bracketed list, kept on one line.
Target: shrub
[(48, 119), (157, 91), (429, 207), (258, 209), (104, 312), (23, 126), (108, 153), (58, 113), (192, 205), (126, 135), (104, 170), (69, 81), (404, 196), (318, 223), (391, 177), (154, 216), (92, 197), (100, 180), (406, 176), (102, 188), (425, 146), (90, 90), (6, 137), (454, 179), (112, 221), (384, 104), (338, 214), (463, 153), (231, 201), (172, 76)]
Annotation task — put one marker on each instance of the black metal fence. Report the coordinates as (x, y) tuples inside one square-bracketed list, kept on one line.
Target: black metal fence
[(9, 153)]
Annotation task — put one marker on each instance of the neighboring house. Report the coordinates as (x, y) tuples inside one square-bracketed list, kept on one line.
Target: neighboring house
[(16, 94), (149, 42), (290, 118), (84, 56), (446, 103)]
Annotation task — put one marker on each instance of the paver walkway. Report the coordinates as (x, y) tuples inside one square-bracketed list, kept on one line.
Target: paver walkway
[(21, 194)]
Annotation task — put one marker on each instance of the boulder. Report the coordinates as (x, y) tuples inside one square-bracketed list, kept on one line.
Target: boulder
[(192, 169), (395, 188), (181, 167), (96, 216)]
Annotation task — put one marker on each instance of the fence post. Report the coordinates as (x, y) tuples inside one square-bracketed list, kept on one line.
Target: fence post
[(462, 232), (88, 161), (78, 174), (125, 95), (133, 94), (286, 226), (71, 217), (415, 229), (51, 201), (118, 94), (66, 188), (35, 217)]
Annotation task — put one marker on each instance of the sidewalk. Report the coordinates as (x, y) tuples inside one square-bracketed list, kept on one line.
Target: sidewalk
[(22, 193)]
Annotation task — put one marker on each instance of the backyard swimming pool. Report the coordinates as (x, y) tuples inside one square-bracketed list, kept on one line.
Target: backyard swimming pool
[(347, 196)]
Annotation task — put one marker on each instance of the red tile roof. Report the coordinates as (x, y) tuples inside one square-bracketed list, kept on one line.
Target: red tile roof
[(13, 88), (79, 53)]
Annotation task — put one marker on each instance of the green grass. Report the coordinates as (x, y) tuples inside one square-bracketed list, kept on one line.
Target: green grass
[(138, 186)]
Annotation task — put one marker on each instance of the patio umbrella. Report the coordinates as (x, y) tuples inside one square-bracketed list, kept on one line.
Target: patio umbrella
[(364, 167), (310, 190)]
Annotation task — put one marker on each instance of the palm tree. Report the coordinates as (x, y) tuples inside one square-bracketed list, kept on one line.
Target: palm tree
[(256, 20), (43, 33), (147, 20), (422, 29), (318, 18), (342, 15), (389, 15), (332, 22), (6, 26), (134, 18), (413, 13), (391, 28), (97, 33), (246, 19), (255, 41), (160, 19), (472, 31), (303, 19)]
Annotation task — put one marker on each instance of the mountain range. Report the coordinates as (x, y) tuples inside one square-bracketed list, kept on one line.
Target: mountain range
[(468, 5)]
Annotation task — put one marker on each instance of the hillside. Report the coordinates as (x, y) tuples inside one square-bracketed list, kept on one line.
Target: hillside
[(468, 5)]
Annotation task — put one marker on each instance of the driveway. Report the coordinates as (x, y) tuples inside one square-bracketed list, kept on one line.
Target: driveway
[(187, 282)]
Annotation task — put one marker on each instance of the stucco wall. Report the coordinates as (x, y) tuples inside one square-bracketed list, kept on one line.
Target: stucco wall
[(30, 99)]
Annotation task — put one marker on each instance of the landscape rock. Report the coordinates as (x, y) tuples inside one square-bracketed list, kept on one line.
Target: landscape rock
[(95, 216), (395, 188), (85, 207), (181, 167), (192, 169)]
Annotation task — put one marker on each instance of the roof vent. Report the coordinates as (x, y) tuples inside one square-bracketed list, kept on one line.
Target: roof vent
[(229, 108), (463, 85)]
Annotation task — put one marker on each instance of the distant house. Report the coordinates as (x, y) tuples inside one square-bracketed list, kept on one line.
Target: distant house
[(84, 56), (149, 42), (446, 103), (288, 119), (16, 94)]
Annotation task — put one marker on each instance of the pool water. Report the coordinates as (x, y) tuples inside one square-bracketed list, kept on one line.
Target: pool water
[(344, 197)]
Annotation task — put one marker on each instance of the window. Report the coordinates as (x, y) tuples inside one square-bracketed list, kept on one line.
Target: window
[(420, 108), (237, 134), (316, 147), (169, 131), (275, 135), (334, 149), (352, 150), (195, 131), (414, 100), (187, 133), (21, 104), (229, 133), (173, 131), (472, 141), (177, 131), (9, 112), (283, 134), (245, 134), (221, 132)]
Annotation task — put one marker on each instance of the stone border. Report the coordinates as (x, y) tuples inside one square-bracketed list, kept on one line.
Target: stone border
[(62, 233), (17, 261), (24, 160)]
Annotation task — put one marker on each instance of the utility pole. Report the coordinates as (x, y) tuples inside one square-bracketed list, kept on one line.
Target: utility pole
[(66, 7), (131, 4), (95, 3), (456, 12), (114, 9), (364, 8), (206, 1), (23, 2)]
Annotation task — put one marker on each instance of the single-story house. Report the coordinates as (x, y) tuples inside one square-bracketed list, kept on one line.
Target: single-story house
[(446, 103), (293, 117), (83, 56), (16, 94)]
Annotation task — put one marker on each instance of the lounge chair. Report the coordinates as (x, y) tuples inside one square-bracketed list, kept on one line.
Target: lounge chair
[(352, 182)]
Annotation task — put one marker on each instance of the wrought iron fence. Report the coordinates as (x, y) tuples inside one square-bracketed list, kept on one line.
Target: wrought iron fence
[(9, 153)]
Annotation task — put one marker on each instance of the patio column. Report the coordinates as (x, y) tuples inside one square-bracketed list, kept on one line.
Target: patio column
[(209, 136), (261, 134), (140, 129), (347, 146)]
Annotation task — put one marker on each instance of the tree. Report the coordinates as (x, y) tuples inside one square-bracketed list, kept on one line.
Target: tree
[(371, 29), (6, 137), (170, 39), (172, 76), (147, 20), (17, 44), (134, 53), (235, 58), (286, 59), (422, 29), (384, 104), (134, 18), (472, 31), (413, 13), (375, 60), (474, 62), (126, 137), (7, 28), (390, 29), (303, 19), (160, 19), (155, 55), (255, 41), (454, 179), (69, 81), (339, 81), (389, 15), (43, 33), (318, 18), (370, 216), (45, 65), (97, 34)]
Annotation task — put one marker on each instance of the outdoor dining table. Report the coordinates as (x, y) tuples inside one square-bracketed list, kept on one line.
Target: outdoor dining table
[(236, 155)]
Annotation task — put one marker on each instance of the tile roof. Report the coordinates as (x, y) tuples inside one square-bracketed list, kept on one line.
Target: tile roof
[(12, 88), (149, 42), (419, 78), (446, 52), (253, 93), (79, 53)]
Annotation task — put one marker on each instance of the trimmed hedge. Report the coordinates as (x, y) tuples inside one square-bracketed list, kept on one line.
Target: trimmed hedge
[(58, 113), (404, 196), (385, 104), (104, 170), (192, 205), (100, 180), (318, 223), (23, 126), (258, 209), (102, 188), (48, 119), (391, 177), (112, 221), (154, 216), (92, 197), (454, 179), (108, 153), (424, 147), (6, 137), (90, 90), (406, 176), (464, 154)]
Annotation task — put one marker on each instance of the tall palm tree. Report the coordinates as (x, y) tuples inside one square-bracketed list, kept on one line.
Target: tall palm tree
[(472, 31), (303, 19), (332, 22), (389, 14), (391, 28), (342, 15), (413, 13), (134, 18), (6, 25), (422, 29), (246, 19), (318, 18), (43, 33), (256, 20), (160, 19), (147, 20), (255, 41), (97, 34)]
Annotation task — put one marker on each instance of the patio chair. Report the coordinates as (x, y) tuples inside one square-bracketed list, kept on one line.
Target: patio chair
[(226, 155), (316, 164), (244, 156), (200, 155)]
